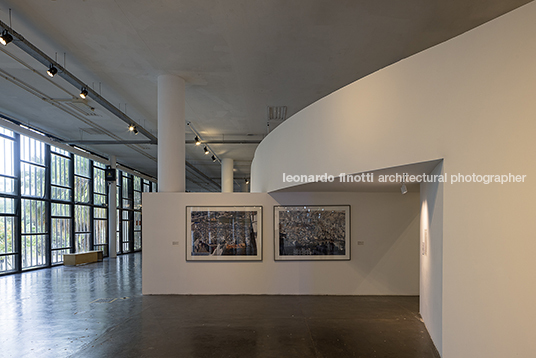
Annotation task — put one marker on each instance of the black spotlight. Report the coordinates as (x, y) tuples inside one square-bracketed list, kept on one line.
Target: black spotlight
[(5, 38), (206, 151), (213, 158), (52, 71), (197, 140), (83, 93)]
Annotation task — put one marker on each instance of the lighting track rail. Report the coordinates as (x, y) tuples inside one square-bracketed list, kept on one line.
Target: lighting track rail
[(247, 141), (198, 140), (40, 56)]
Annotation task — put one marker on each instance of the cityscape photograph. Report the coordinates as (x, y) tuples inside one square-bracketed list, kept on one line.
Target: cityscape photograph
[(224, 232), (312, 231)]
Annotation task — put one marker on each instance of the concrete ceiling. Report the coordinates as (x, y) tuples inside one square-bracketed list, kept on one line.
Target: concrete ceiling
[(237, 56)]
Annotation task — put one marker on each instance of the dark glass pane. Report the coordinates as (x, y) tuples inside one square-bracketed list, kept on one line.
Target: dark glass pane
[(7, 227), (33, 251), (99, 199), (32, 150), (61, 233), (99, 213), (62, 194), (81, 190), (32, 180), (61, 210), (81, 166), (100, 232), (7, 206), (99, 183), (137, 241), (82, 242), (7, 263), (33, 217), (81, 218)]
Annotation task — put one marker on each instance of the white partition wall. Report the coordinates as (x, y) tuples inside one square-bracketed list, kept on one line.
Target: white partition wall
[(471, 102), (431, 253), (387, 262)]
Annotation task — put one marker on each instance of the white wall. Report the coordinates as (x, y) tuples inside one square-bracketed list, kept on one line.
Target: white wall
[(431, 238), (470, 101), (387, 263)]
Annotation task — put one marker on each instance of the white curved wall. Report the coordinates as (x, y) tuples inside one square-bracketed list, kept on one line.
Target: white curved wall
[(470, 101)]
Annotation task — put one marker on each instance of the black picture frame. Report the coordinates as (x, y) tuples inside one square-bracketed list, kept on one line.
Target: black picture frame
[(312, 232), (224, 233)]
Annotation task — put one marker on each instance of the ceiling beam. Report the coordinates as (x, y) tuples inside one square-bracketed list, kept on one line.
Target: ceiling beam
[(225, 141), (108, 142)]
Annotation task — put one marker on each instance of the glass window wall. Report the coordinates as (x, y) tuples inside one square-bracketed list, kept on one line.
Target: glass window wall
[(54, 202)]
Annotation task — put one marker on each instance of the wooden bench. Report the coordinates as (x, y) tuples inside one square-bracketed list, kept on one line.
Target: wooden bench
[(82, 258)]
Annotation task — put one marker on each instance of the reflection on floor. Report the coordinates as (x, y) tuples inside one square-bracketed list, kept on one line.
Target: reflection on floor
[(97, 310)]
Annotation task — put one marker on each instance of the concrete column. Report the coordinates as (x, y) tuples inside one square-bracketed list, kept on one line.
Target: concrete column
[(171, 122), (226, 175), (112, 213)]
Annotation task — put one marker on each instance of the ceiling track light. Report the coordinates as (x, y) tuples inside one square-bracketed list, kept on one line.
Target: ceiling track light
[(132, 128), (197, 140), (83, 93), (247, 181), (206, 151), (52, 71), (5, 38), (213, 158)]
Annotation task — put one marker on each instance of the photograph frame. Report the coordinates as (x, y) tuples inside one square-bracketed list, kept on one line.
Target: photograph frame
[(327, 243), (228, 235)]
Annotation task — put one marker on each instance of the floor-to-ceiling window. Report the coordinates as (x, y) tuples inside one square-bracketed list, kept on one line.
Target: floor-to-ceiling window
[(126, 212), (100, 211), (129, 204), (8, 200), (33, 179), (61, 203), (82, 199), (54, 202), (137, 190)]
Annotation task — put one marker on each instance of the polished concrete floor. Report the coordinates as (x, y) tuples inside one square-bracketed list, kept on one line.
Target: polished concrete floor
[(97, 310)]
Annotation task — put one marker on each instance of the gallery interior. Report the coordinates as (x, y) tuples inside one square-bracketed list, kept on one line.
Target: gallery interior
[(219, 155)]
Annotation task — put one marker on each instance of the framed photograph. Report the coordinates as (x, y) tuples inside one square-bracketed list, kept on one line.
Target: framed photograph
[(221, 233), (312, 232)]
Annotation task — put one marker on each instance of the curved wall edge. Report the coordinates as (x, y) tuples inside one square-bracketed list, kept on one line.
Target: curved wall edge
[(470, 101)]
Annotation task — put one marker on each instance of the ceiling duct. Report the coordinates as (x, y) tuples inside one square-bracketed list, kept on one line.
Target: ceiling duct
[(276, 116), (277, 113)]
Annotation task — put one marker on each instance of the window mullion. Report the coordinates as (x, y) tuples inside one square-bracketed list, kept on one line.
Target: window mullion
[(119, 231), (71, 204), (91, 206), (48, 212), (17, 235)]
